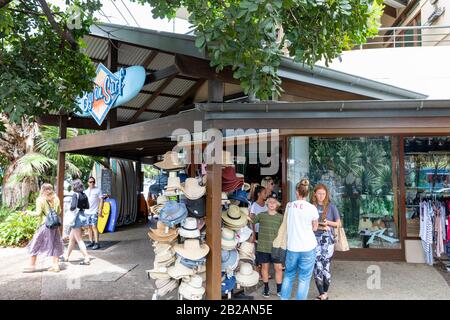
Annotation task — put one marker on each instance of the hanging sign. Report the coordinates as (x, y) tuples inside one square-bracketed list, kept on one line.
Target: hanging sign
[(111, 90)]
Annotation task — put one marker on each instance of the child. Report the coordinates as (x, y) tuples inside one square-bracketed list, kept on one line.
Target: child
[(269, 223)]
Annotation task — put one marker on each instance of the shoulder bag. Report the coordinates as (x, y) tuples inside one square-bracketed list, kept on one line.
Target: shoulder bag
[(52, 219), (340, 239), (280, 243)]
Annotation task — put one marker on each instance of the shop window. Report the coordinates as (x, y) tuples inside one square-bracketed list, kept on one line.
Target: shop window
[(359, 174), (427, 176)]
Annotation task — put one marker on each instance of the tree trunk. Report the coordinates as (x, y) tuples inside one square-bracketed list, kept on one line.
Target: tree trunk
[(17, 194)]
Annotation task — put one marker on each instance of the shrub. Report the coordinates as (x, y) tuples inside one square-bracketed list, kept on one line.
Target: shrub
[(17, 229)]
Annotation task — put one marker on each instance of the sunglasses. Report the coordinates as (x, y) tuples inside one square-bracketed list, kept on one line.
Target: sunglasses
[(91, 182)]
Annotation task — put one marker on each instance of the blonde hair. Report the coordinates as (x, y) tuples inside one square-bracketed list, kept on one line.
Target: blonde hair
[(265, 181), (45, 188), (303, 188), (273, 198)]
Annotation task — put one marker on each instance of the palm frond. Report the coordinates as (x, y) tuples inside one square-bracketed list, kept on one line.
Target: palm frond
[(32, 165)]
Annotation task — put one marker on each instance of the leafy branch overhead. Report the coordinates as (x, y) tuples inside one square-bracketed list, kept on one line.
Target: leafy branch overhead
[(42, 68), (250, 35)]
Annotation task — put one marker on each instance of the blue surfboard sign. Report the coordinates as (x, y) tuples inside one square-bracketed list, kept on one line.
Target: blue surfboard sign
[(111, 90)]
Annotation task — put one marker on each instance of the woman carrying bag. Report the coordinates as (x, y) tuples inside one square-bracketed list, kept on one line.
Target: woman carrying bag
[(47, 239)]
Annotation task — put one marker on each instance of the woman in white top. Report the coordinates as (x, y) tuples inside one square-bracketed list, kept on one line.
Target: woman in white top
[(302, 222)]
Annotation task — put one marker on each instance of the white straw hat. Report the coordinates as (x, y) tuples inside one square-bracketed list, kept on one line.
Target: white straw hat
[(244, 234), (234, 218), (179, 271), (158, 274), (247, 277), (169, 286), (191, 249), (229, 240), (192, 189), (192, 289), (189, 228), (170, 162), (173, 184), (247, 251)]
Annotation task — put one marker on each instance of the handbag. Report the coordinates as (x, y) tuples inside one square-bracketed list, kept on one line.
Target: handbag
[(279, 245), (340, 239), (52, 219)]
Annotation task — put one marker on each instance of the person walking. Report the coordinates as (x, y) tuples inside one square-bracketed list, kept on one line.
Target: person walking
[(79, 204), (329, 219), (46, 241), (269, 223), (94, 195), (269, 184), (258, 206), (302, 222)]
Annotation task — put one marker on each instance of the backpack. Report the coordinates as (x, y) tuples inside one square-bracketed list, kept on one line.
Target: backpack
[(83, 201)]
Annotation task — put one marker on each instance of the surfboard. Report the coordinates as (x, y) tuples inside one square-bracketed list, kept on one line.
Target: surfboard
[(102, 221), (111, 225)]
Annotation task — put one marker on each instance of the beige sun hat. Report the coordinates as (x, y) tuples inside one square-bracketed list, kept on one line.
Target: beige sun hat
[(179, 271), (246, 186), (164, 264), (191, 249), (229, 240), (166, 286), (192, 189), (244, 234), (247, 251), (164, 256), (161, 200), (234, 217), (192, 289), (163, 234), (158, 274), (173, 184), (189, 229), (246, 276), (156, 209), (170, 162)]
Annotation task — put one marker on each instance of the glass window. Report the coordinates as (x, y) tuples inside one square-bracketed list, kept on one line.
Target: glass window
[(427, 175), (358, 172)]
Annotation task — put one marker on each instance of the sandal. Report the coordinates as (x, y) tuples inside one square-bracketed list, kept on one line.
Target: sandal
[(53, 269)]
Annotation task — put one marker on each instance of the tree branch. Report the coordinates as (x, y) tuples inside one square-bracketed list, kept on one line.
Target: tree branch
[(4, 3), (65, 35)]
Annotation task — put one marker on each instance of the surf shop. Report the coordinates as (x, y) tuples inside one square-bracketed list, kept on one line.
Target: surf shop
[(382, 151)]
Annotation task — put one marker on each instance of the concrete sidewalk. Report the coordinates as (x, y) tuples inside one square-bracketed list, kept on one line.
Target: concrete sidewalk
[(118, 272)]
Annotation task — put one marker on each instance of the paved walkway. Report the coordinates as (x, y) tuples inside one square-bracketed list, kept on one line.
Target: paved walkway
[(118, 272)]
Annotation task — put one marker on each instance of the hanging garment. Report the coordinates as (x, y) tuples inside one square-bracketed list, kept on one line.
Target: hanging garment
[(438, 232), (426, 230)]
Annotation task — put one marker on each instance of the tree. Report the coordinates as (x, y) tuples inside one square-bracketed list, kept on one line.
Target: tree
[(250, 35), (41, 66)]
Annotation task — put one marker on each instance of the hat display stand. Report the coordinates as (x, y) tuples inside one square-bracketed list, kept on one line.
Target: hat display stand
[(188, 267)]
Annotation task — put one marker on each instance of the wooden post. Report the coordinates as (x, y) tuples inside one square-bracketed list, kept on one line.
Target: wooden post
[(113, 58), (139, 177), (213, 232), (61, 165), (213, 210)]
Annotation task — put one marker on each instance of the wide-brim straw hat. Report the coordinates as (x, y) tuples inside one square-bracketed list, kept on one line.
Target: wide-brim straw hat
[(192, 289), (156, 209), (191, 249), (173, 184), (166, 286), (192, 189), (162, 233), (246, 276), (164, 256), (189, 229), (230, 260), (228, 241), (164, 264), (179, 271), (170, 162), (234, 217), (158, 274), (244, 234)]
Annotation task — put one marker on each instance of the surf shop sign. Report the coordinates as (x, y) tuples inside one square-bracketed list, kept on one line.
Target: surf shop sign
[(111, 90)]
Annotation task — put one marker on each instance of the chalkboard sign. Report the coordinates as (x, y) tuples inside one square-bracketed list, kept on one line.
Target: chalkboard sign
[(106, 181)]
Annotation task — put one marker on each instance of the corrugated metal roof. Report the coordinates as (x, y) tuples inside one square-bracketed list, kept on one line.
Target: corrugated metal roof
[(130, 55), (179, 87), (96, 48), (138, 101), (148, 116), (162, 61), (162, 103), (124, 114), (153, 85)]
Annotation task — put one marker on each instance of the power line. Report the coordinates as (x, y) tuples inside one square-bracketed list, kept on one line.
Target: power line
[(120, 12), (126, 7), (103, 14)]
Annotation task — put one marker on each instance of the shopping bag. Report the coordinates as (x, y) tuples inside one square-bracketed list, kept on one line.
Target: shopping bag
[(340, 239)]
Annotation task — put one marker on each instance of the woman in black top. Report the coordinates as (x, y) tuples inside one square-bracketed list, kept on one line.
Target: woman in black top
[(80, 203)]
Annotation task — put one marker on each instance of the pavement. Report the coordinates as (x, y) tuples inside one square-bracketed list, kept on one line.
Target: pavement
[(117, 272)]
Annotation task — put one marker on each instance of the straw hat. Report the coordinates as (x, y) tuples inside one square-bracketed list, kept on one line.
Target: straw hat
[(196, 208), (192, 289), (156, 209), (161, 200), (179, 271), (158, 274), (159, 247), (191, 249), (247, 277), (229, 240), (234, 217), (164, 256), (170, 162), (189, 229), (244, 234), (165, 286), (230, 260), (162, 233), (225, 198), (247, 250), (192, 189), (173, 184), (164, 264)]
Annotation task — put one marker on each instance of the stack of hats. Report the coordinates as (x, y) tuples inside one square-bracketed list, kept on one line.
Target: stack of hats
[(165, 286), (247, 252), (160, 201), (247, 276), (164, 257), (171, 162), (234, 217), (192, 189), (173, 213), (229, 240), (192, 288), (230, 181), (173, 186), (163, 234)]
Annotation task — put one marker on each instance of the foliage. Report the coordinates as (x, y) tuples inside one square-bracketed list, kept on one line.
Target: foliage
[(250, 35), (41, 66), (150, 171), (18, 228)]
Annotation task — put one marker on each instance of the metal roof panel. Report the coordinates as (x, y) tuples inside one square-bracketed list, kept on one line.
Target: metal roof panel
[(179, 87)]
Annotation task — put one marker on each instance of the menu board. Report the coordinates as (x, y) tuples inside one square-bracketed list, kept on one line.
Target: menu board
[(106, 181)]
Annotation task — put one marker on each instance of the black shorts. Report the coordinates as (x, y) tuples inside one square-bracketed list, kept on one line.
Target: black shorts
[(264, 257)]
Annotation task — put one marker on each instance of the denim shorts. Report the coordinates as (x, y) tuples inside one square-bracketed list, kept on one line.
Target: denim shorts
[(91, 219)]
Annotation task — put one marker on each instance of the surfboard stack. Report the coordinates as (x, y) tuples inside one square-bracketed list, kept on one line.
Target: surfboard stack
[(178, 232)]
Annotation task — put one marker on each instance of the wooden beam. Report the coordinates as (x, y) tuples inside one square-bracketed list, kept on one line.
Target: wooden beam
[(192, 90), (152, 98), (152, 55), (74, 122), (213, 232), (142, 131), (61, 164), (173, 96), (390, 11), (134, 109), (169, 72), (112, 61)]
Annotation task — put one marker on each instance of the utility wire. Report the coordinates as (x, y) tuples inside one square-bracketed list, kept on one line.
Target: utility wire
[(126, 7), (103, 14), (113, 2)]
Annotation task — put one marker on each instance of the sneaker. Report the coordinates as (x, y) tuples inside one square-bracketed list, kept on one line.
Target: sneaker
[(96, 246), (90, 244), (279, 294), (265, 294)]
